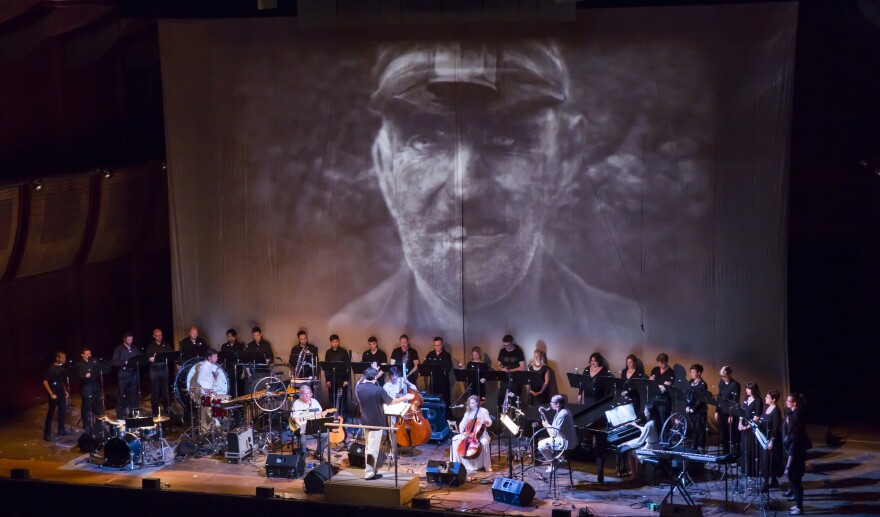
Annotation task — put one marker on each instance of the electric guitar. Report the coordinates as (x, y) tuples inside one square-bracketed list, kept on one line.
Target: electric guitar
[(296, 424)]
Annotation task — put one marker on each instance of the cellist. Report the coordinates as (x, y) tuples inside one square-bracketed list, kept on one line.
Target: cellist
[(475, 422)]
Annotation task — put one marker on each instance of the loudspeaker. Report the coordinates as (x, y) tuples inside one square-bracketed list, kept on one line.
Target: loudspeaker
[(511, 491), (681, 510), (151, 483), (435, 412), (315, 479), (446, 474), (240, 441), (265, 492), (558, 512), (282, 465), (357, 455), (185, 447)]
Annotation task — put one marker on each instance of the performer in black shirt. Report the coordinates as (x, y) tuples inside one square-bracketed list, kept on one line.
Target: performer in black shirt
[(510, 359), (55, 384), (796, 443), (371, 399), (478, 361), (88, 371), (728, 393), (263, 347), (409, 355), (375, 356), (664, 375), (159, 373), (633, 370), (129, 391), (192, 345), (440, 382), (696, 408), (338, 379), (306, 367), (232, 343), (236, 348), (595, 371)]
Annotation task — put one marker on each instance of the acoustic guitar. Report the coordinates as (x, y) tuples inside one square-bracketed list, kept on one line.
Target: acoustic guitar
[(337, 434)]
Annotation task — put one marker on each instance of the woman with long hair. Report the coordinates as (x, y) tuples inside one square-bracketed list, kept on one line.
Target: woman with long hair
[(479, 418), (648, 438), (770, 421), (753, 406)]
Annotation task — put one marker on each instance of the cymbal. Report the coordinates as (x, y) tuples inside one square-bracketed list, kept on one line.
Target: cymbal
[(160, 419)]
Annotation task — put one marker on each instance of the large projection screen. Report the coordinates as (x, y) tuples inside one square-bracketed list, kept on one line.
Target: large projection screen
[(615, 184)]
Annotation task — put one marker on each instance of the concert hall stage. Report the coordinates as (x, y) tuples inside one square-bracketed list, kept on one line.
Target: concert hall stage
[(840, 480)]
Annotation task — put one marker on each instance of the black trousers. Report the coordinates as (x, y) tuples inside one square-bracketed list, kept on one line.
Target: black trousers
[(60, 404), (796, 478), (128, 394), (159, 389), (91, 406)]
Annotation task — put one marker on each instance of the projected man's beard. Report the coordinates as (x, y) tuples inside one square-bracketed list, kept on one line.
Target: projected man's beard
[(470, 193)]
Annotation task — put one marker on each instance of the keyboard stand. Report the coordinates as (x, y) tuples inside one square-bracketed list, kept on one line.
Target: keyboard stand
[(678, 482)]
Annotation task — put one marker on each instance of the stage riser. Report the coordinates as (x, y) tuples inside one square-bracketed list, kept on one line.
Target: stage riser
[(346, 488)]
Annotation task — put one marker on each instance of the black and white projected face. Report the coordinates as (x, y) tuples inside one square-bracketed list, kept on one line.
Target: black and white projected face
[(612, 185)]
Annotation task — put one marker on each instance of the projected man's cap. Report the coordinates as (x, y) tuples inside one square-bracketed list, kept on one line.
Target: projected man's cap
[(433, 77)]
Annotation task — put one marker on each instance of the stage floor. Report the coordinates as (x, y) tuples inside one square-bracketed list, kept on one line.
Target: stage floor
[(840, 480)]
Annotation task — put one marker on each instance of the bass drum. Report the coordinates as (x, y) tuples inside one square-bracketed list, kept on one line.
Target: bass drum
[(221, 383), (181, 386), (119, 452)]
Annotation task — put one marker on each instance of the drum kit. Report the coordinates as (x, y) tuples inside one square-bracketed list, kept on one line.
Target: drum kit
[(134, 442)]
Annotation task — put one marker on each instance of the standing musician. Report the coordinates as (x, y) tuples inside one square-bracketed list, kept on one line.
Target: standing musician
[(440, 382), (479, 360), (540, 395), (696, 409), (510, 359), (338, 379), (89, 374), (476, 420), (128, 376), (208, 373), (563, 423), (753, 406), (772, 463), (664, 375), (374, 356), (372, 399), (159, 375), (305, 367), (405, 353), (596, 370), (233, 346), (728, 391), (263, 347), (797, 443), (193, 345), (306, 408), (633, 370), (55, 384)]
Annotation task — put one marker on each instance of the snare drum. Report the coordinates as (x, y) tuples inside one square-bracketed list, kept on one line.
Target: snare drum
[(119, 452), (217, 409), (148, 433)]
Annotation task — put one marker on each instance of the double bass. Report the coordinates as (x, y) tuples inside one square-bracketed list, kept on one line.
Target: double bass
[(412, 429), (470, 447)]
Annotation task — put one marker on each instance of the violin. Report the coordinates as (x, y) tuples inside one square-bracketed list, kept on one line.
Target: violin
[(470, 447)]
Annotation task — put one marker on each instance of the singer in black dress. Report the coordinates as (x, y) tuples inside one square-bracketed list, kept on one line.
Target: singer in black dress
[(540, 394), (753, 406), (633, 370), (772, 464), (596, 389)]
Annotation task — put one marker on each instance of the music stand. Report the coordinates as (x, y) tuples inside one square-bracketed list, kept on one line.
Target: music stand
[(197, 350), (136, 362), (580, 381), (432, 370), (330, 369), (360, 368)]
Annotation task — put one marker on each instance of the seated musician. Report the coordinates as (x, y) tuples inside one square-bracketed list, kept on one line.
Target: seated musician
[(474, 417), (563, 424), (649, 438), (207, 379), (306, 408)]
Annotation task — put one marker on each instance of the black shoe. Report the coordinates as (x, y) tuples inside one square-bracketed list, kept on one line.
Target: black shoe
[(63, 432), (375, 476), (774, 483)]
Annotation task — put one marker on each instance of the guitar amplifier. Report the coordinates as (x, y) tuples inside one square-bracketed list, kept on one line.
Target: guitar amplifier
[(435, 412), (239, 443)]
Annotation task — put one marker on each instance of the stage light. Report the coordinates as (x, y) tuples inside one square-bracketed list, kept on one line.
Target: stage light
[(37, 185), (107, 173)]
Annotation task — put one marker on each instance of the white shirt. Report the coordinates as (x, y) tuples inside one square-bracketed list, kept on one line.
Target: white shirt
[(206, 380), (301, 410)]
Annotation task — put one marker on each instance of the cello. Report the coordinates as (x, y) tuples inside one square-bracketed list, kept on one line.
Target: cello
[(412, 428), (470, 447)]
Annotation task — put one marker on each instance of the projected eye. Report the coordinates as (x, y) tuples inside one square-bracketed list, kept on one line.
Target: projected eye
[(503, 141), (428, 140)]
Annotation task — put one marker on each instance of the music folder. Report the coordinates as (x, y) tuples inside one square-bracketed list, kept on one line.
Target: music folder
[(398, 409)]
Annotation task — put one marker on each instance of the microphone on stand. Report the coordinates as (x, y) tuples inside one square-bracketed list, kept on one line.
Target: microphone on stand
[(456, 406)]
